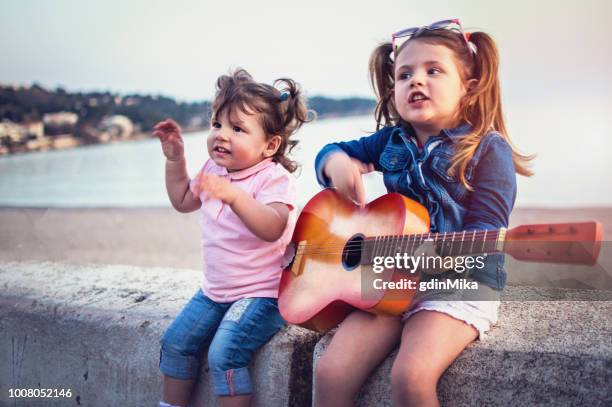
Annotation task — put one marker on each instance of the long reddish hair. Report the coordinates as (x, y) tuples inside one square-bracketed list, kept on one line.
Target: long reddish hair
[(480, 107)]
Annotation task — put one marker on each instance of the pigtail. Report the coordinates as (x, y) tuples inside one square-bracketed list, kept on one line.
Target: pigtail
[(293, 114), (482, 105), (482, 108), (381, 78)]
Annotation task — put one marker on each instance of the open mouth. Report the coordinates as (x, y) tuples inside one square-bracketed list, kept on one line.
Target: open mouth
[(221, 150), (417, 97)]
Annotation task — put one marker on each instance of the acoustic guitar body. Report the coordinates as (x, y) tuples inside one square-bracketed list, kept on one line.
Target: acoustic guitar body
[(326, 280)]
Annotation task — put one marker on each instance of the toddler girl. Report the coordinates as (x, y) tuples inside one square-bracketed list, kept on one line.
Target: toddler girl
[(247, 201)]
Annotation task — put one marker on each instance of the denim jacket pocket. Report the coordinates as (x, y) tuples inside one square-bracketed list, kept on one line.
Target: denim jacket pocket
[(455, 189), (440, 166), (394, 158)]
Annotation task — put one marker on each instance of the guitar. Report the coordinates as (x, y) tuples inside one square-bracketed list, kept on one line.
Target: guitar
[(336, 244)]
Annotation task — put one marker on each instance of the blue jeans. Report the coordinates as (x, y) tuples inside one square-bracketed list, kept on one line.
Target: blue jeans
[(237, 330)]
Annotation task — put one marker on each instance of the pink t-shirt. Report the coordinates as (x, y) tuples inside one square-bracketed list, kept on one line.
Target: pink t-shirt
[(237, 264)]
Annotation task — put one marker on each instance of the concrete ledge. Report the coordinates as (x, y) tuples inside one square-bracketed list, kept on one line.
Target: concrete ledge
[(96, 330), (540, 353)]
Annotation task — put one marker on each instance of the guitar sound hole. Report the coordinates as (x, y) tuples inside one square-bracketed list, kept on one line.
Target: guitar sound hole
[(351, 255)]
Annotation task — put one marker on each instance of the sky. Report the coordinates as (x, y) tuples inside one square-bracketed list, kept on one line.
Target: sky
[(556, 60), (548, 48)]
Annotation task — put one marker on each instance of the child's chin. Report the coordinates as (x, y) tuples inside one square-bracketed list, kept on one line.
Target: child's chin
[(231, 168), (420, 119), (220, 161)]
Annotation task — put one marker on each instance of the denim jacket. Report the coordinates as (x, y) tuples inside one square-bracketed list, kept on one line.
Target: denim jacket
[(421, 174)]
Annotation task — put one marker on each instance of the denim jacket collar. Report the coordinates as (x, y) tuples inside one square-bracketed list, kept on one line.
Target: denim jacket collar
[(454, 134), (457, 133)]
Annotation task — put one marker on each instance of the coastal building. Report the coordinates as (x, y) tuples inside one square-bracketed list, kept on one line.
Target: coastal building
[(60, 123), (12, 132), (117, 126), (19, 132)]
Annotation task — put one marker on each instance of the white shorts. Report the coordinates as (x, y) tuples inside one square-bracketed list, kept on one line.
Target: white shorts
[(480, 314), (478, 307)]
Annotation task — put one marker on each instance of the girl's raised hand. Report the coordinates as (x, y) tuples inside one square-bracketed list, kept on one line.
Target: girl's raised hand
[(216, 187), (345, 174), (169, 133)]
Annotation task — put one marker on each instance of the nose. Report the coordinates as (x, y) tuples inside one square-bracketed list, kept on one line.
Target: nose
[(221, 135), (417, 79)]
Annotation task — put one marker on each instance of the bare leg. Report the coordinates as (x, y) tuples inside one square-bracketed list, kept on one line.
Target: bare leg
[(177, 391), (361, 343), (431, 341), (235, 401)]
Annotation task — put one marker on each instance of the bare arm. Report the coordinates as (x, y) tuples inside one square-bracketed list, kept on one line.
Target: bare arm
[(177, 186), (267, 222), (177, 180)]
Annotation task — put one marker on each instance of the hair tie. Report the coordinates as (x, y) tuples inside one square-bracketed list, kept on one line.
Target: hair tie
[(284, 96), (472, 47), (467, 35)]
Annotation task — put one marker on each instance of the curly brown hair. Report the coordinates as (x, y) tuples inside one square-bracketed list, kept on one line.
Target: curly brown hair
[(281, 108)]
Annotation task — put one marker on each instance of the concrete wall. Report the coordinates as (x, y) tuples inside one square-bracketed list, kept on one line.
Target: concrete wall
[(540, 353), (96, 330)]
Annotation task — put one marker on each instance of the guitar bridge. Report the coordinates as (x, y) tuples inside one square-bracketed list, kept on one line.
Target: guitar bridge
[(297, 267)]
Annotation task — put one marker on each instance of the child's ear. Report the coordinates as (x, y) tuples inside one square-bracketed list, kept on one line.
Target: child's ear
[(470, 85), (272, 146)]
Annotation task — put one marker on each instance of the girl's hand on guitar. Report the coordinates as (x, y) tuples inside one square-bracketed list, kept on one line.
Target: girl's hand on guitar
[(345, 174)]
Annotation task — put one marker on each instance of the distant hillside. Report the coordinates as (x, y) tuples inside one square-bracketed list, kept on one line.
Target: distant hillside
[(29, 104), (328, 107)]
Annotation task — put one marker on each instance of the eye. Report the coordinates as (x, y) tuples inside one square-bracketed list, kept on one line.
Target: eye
[(434, 71), (404, 75), (216, 125), (237, 129)]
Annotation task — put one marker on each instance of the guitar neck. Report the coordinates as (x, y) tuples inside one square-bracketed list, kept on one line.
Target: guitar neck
[(574, 243), (447, 244)]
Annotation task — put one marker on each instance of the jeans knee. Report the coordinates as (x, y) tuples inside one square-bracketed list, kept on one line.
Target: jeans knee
[(221, 358), (171, 347)]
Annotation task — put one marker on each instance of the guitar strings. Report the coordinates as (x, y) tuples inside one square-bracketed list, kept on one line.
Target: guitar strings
[(435, 238), (386, 242), (406, 250), (351, 247), (441, 237)]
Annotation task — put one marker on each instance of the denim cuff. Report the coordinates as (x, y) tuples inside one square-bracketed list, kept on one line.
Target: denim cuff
[(232, 382), (320, 161), (184, 367)]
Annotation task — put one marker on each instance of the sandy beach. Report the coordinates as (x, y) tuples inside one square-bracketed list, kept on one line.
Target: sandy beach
[(162, 237)]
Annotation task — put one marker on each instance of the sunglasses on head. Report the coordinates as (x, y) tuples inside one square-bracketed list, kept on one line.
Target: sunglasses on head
[(400, 37)]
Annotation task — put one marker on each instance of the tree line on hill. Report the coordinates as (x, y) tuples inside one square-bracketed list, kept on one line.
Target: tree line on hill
[(29, 104)]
